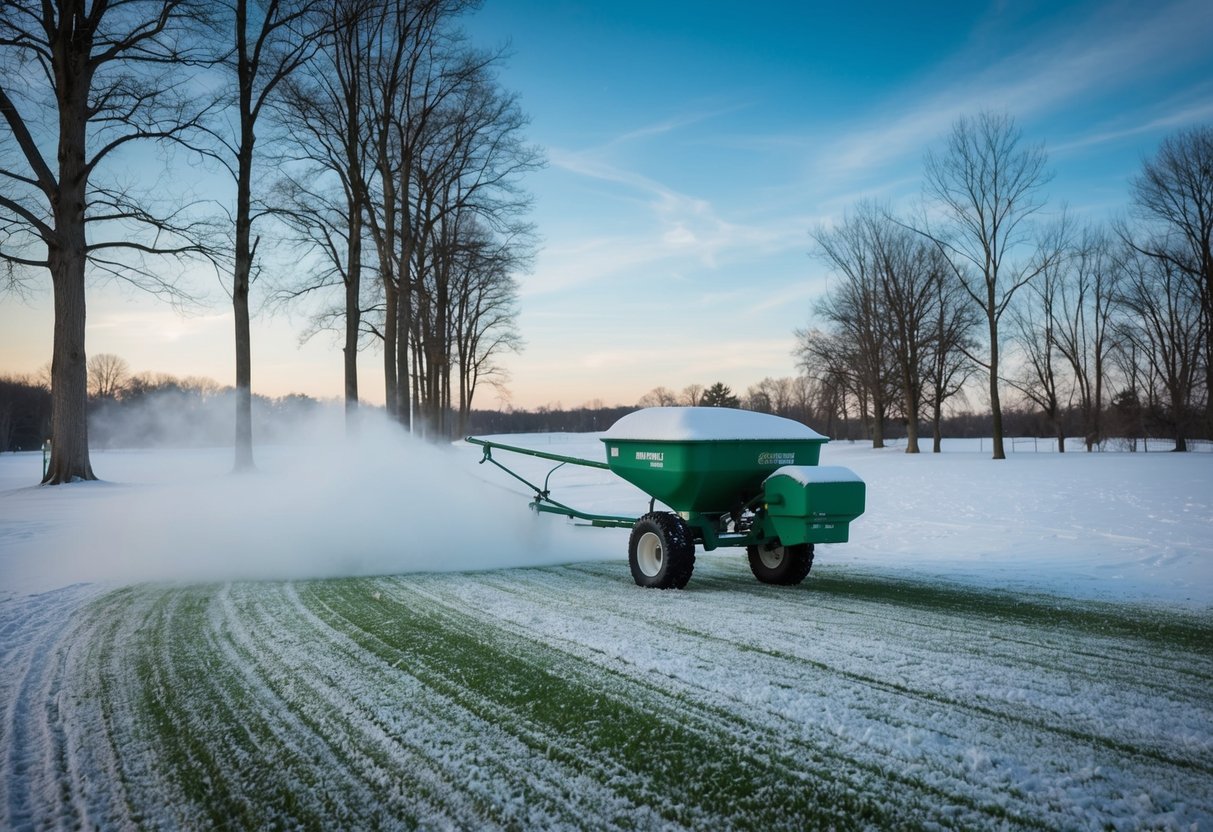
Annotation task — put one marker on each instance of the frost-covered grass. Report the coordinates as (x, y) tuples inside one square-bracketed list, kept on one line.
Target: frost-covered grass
[(565, 697), (1019, 645)]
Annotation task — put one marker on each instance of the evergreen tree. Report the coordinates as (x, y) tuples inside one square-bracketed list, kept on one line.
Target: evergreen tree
[(719, 395)]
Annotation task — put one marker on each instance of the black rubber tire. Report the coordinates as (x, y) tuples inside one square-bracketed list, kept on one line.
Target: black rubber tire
[(784, 565), (661, 551)]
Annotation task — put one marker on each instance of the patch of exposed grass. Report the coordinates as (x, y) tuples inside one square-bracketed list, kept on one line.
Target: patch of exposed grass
[(1167, 628), (689, 771)]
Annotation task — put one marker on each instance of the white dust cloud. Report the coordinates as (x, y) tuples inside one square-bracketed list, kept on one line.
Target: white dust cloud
[(321, 506)]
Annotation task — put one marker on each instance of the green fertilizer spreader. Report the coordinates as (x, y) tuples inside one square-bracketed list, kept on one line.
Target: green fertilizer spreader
[(732, 478)]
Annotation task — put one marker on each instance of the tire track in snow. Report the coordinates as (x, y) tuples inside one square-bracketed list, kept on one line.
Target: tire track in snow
[(666, 681), (865, 628), (864, 632), (455, 662), (444, 734), (648, 736), (1159, 769), (34, 773), (567, 698), (863, 775)]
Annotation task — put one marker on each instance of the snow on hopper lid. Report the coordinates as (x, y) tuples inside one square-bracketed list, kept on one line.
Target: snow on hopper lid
[(680, 424)]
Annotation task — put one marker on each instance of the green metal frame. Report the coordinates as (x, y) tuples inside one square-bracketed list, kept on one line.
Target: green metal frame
[(543, 501), (703, 526)]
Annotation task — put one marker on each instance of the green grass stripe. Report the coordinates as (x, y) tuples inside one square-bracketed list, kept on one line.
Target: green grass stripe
[(781, 607), (384, 717), (219, 745), (743, 771), (915, 795), (1168, 629), (537, 585)]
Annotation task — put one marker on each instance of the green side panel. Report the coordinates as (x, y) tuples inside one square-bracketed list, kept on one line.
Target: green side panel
[(795, 530), (708, 476), (818, 512)]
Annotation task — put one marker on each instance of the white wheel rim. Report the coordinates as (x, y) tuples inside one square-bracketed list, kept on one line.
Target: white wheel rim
[(649, 555), (771, 558)]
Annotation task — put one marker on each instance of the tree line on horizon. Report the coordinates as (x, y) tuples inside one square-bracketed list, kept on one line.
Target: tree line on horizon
[(145, 409), (369, 150)]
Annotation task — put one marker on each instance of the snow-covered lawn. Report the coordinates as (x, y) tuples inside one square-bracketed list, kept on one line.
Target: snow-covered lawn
[(384, 636)]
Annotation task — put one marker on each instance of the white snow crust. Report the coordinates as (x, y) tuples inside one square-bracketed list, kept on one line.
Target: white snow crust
[(705, 424), (809, 474)]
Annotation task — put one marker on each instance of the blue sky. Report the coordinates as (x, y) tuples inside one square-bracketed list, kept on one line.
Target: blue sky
[(693, 145)]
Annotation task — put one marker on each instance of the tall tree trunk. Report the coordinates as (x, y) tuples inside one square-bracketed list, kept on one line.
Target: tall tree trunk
[(911, 401), (441, 353), (1180, 414), (1208, 335), (1097, 415), (244, 250), (240, 309), (995, 402), (69, 375), (391, 381), (244, 368), (353, 317), (67, 259), (404, 316), (404, 310)]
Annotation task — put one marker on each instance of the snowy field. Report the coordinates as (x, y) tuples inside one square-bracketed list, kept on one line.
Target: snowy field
[(385, 636)]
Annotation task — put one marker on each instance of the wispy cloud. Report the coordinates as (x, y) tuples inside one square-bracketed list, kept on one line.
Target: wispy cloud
[(695, 359), (154, 325), (1092, 58), (672, 124), (672, 226), (1167, 121)]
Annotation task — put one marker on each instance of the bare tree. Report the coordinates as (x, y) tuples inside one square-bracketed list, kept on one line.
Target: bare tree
[(988, 184), (324, 109), (757, 399), (468, 191), (948, 366), (1083, 316), (855, 307), (692, 394), (906, 273), (827, 360), (107, 373), (270, 39), (1041, 377), (1163, 328), (778, 393), (804, 400), (413, 66), (483, 300), (89, 80), (43, 376), (659, 397), (1174, 197)]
